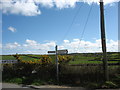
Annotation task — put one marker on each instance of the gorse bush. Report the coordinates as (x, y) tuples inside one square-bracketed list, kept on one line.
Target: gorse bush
[(30, 70), (64, 58), (26, 68), (44, 60)]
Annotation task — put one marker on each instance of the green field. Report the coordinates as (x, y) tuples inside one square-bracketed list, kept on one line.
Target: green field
[(81, 58), (28, 58), (35, 55), (7, 57), (92, 59)]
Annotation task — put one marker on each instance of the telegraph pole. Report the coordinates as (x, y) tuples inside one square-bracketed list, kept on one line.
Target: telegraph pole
[(103, 41), (57, 70)]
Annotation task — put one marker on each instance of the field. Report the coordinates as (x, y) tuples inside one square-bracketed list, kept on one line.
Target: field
[(7, 57), (94, 58), (78, 69), (82, 58)]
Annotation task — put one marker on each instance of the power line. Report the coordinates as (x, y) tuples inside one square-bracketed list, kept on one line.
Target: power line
[(69, 29), (85, 25), (86, 21)]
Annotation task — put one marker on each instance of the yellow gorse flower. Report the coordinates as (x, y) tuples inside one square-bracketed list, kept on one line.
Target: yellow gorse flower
[(64, 58), (45, 59)]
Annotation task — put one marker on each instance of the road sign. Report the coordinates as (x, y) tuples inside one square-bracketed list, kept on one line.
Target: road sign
[(9, 61), (51, 51), (59, 51)]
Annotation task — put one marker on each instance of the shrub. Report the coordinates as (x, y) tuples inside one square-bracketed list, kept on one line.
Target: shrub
[(64, 58), (109, 84)]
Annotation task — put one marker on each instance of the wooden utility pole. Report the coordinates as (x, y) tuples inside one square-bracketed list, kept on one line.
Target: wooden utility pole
[(57, 70), (103, 41)]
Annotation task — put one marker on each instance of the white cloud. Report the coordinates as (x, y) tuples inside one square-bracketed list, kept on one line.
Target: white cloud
[(31, 7), (27, 51), (77, 45), (31, 42), (23, 7), (0, 46), (11, 45), (34, 44), (46, 3), (66, 41), (110, 1), (74, 46), (65, 3), (12, 29)]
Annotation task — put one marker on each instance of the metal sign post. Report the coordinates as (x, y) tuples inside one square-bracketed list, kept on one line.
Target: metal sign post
[(57, 70), (56, 52)]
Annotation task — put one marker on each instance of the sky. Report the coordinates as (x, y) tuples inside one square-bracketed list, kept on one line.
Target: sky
[(36, 26)]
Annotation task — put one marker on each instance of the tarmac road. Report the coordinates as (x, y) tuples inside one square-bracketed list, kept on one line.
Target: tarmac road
[(10, 85)]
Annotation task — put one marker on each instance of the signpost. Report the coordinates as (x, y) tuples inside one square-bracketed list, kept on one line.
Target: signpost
[(59, 51), (9, 61), (57, 70), (51, 51), (56, 52)]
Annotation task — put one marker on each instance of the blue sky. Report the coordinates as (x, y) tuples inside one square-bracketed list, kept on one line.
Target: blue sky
[(40, 32)]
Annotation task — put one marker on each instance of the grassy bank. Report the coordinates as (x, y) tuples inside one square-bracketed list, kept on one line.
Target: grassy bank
[(91, 77)]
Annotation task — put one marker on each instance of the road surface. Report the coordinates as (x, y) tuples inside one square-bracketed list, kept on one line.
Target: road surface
[(10, 85)]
